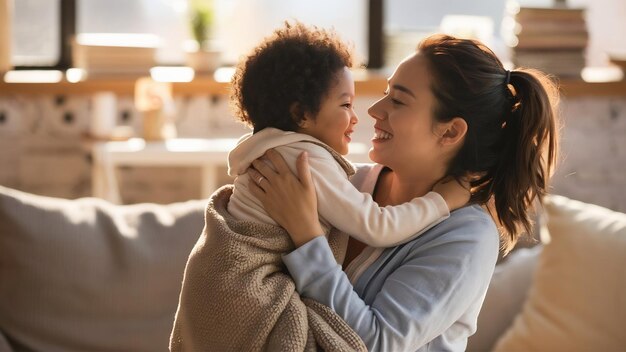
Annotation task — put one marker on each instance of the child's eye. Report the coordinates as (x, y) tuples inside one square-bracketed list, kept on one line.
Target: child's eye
[(347, 105)]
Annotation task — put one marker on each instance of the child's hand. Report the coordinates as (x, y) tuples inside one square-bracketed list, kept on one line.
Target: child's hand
[(456, 193)]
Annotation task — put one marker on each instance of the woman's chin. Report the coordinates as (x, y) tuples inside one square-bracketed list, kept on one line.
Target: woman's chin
[(374, 156)]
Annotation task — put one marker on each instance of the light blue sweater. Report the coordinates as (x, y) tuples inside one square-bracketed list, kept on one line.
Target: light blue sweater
[(424, 295)]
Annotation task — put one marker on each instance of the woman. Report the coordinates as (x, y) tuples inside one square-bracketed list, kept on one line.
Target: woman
[(450, 109)]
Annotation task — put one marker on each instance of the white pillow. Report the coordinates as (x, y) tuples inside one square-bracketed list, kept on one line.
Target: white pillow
[(578, 298)]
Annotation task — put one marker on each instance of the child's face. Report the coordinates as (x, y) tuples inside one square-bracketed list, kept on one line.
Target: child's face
[(335, 121)]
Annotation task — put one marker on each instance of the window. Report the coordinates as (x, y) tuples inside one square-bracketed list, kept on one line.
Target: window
[(406, 22), (243, 23), (40, 37), (240, 24), (165, 18), (409, 20), (36, 34)]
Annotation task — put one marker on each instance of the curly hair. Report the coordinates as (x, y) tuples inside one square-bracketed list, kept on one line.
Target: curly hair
[(297, 64)]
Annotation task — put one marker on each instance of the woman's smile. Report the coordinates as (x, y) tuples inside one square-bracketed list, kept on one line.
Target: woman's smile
[(381, 135)]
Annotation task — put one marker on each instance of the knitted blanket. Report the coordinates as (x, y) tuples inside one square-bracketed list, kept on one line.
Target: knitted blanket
[(237, 296)]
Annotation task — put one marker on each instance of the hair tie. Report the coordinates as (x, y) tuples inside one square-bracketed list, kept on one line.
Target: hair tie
[(508, 77)]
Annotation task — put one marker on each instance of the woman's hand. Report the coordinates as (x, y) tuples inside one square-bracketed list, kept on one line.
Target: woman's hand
[(289, 199)]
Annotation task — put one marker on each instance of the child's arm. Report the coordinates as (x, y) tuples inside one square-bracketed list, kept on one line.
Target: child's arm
[(357, 214)]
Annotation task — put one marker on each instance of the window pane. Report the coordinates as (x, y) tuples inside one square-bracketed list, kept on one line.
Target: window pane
[(36, 32), (406, 22), (165, 18), (241, 24), (424, 14)]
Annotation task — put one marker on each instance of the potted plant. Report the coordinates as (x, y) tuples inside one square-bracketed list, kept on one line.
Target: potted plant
[(204, 57)]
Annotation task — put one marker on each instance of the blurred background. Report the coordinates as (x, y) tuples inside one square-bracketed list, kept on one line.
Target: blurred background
[(240, 24), (128, 99)]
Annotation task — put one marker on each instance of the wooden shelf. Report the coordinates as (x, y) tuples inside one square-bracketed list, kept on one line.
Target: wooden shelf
[(367, 83), (577, 88), (120, 86)]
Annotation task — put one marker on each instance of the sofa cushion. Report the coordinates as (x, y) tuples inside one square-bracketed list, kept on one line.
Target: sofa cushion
[(577, 301), (4, 344), (505, 297), (86, 275)]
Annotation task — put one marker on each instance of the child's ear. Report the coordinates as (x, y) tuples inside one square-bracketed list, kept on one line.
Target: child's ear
[(453, 131), (298, 115)]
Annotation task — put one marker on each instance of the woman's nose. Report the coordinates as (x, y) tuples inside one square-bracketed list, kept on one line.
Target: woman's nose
[(375, 111)]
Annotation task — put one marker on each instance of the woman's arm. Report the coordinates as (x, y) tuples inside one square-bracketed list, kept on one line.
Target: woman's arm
[(424, 290)]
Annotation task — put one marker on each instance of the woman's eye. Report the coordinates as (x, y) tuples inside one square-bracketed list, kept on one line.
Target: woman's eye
[(393, 101)]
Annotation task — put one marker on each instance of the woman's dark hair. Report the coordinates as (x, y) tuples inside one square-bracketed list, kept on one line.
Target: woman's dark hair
[(510, 147), (297, 64)]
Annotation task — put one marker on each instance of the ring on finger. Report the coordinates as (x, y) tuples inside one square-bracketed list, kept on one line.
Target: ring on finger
[(260, 179)]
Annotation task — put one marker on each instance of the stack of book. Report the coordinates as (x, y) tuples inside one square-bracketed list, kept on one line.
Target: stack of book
[(551, 39), (114, 53)]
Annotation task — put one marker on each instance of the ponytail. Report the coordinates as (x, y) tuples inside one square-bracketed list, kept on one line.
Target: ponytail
[(528, 154)]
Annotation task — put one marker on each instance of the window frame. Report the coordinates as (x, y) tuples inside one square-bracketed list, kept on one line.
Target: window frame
[(375, 34)]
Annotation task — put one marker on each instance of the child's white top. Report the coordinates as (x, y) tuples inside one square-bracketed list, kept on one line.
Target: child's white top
[(340, 204)]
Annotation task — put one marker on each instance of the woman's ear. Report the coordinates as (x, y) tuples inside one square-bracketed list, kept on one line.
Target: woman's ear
[(453, 131)]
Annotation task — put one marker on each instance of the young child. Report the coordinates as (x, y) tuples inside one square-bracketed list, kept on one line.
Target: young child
[(296, 91)]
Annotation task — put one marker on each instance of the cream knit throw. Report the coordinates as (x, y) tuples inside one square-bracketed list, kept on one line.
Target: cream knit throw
[(237, 296)]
